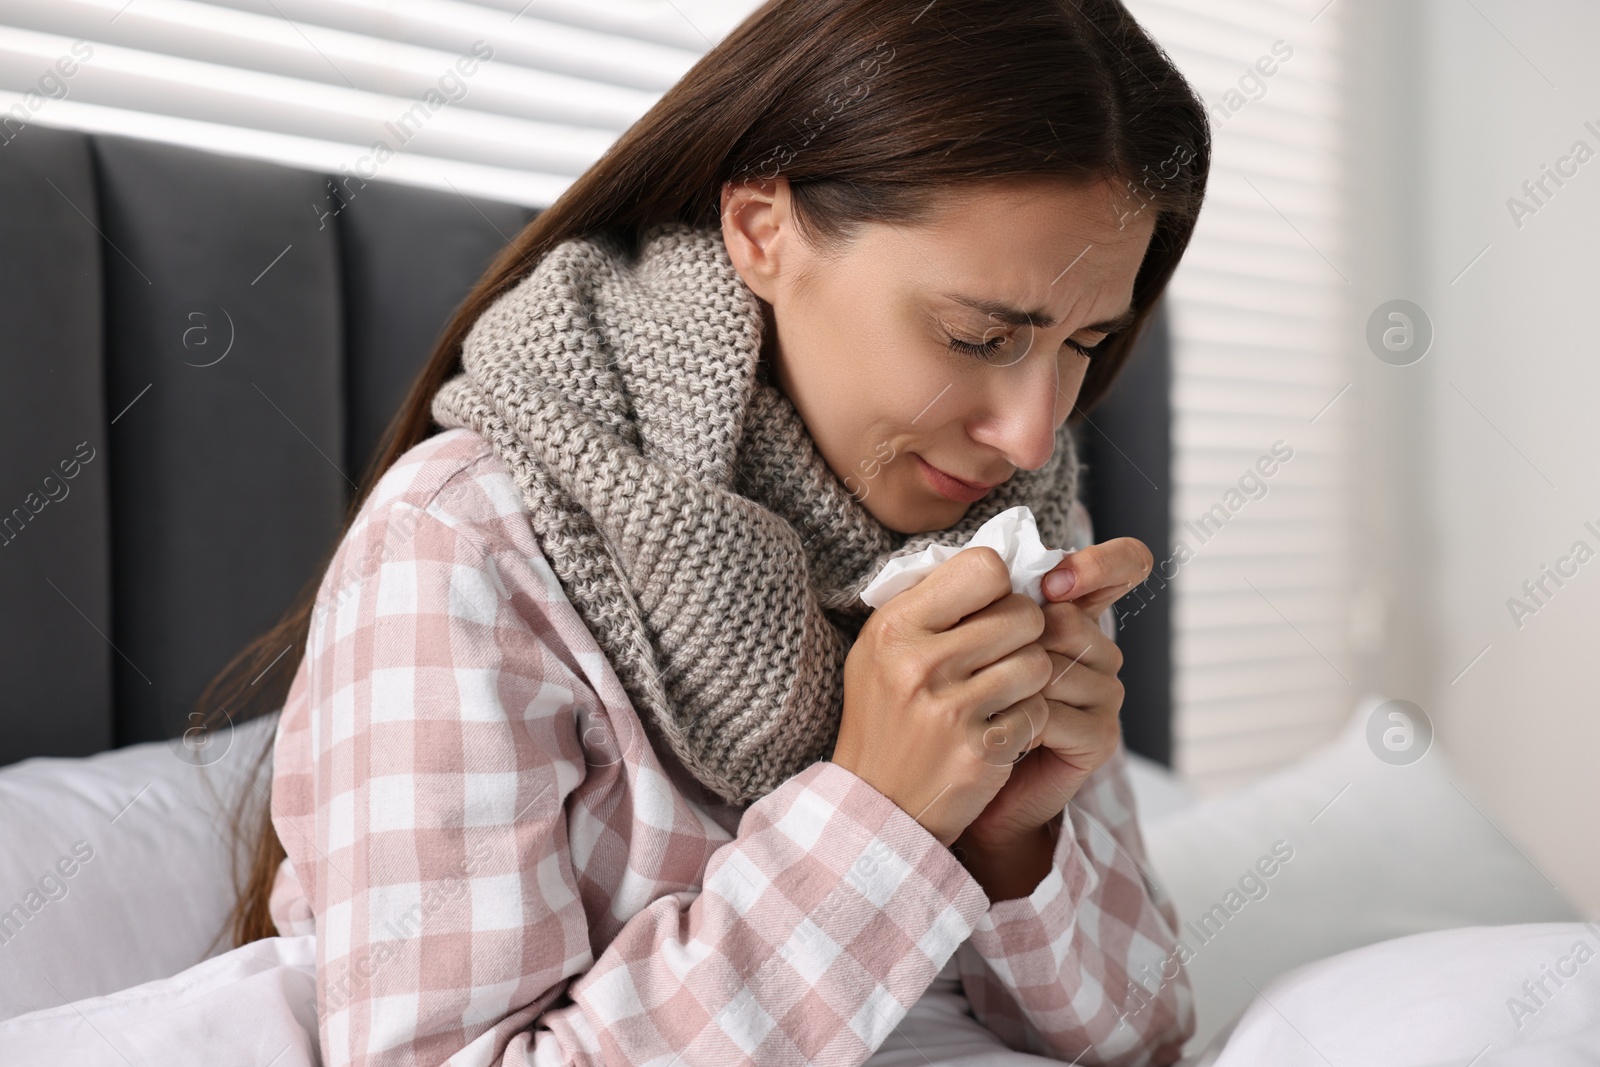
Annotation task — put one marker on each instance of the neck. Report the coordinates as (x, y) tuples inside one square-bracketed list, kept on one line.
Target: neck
[(767, 367)]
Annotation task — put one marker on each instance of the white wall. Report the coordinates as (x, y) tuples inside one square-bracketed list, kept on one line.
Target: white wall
[(1478, 462)]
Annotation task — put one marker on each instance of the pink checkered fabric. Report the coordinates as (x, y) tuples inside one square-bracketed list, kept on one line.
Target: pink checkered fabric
[(501, 869)]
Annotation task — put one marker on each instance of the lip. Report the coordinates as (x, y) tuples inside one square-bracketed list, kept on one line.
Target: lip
[(949, 486)]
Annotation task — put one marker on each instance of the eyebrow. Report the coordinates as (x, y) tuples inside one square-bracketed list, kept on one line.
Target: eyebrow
[(1014, 316)]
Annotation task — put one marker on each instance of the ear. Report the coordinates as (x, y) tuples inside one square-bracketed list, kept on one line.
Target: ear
[(757, 230)]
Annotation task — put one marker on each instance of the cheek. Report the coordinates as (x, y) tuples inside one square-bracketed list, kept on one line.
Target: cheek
[(850, 376), (887, 411)]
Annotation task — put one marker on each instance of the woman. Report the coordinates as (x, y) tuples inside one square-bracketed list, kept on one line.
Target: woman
[(594, 754)]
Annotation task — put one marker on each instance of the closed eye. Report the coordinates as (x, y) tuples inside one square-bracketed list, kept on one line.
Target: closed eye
[(988, 349)]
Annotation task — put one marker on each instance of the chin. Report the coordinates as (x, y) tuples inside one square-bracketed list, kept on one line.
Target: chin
[(920, 516)]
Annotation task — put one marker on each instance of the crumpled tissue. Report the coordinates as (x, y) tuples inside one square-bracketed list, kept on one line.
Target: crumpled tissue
[(1013, 533)]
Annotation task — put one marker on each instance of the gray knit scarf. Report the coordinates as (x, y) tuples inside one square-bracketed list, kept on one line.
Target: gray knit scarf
[(708, 546)]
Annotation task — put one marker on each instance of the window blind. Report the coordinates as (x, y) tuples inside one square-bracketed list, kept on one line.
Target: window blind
[(528, 94), (1261, 658)]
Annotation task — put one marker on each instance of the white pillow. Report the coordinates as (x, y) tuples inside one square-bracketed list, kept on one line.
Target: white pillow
[(1400, 851), (1438, 999), (1157, 791), (114, 869), (255, 1004)]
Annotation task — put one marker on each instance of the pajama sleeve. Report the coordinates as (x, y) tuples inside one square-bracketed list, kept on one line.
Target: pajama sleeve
[(454, 833), (1086, 968)]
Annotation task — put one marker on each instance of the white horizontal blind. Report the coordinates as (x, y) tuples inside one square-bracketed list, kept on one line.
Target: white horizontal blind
[(318, 83), (1261, 656)]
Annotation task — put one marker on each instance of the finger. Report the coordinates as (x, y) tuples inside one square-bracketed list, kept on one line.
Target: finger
[(1071, 731), (1116, 565), (1001, 684), (987, 635), (1005, 736), (969, 581), (1097, 602), (1081, 686), (1070, 630)]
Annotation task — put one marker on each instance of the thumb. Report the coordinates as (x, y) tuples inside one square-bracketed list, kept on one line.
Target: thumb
[(1060, 581), (1109, 569)]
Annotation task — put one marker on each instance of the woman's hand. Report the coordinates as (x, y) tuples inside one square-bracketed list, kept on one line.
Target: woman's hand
[(1011, 841), (946, 664)]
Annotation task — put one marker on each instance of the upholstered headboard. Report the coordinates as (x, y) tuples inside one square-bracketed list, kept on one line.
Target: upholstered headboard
[(200, 355)]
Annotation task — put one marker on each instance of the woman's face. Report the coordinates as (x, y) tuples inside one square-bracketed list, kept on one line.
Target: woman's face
[(931, 361)]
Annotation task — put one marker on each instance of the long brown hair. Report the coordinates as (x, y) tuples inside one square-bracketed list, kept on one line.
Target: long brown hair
[(870, 108)]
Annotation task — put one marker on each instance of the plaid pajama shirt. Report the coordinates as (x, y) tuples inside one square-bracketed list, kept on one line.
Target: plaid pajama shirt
[(500, 869)]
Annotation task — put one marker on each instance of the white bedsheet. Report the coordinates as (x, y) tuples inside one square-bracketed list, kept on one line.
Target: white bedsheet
[(940, 1029), (1439, 999), (254, 1005)]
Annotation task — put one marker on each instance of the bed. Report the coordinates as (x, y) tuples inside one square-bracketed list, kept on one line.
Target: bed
[(219, 343), (1396, 932)]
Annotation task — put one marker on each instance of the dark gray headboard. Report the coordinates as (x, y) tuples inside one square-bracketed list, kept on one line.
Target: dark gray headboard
[(1126, 444), (200, 353)]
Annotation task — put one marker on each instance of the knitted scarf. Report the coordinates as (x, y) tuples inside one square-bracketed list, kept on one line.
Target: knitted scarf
[(676, 494)]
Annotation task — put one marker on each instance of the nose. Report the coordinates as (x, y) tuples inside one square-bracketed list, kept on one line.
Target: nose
[(1020, 415)]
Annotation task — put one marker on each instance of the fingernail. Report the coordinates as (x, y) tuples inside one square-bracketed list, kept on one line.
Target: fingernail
[(1059, 583)]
